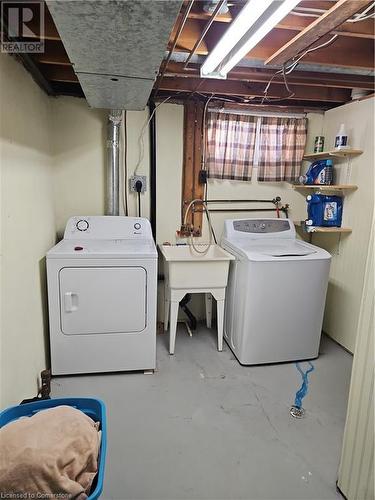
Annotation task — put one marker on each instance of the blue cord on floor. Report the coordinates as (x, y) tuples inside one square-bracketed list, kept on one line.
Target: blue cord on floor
[(301, 393)]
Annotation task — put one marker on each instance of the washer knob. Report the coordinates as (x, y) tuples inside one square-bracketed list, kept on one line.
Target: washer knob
[(82, 225), (263, 226), (137, 226)]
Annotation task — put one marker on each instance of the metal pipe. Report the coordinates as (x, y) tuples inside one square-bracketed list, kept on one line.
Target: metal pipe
[(113, 162), (179, 31), (242, 210), (274, 201), (153, 168), (204, 32)]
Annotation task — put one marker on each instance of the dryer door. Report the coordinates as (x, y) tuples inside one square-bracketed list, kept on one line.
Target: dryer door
[(97, 300)]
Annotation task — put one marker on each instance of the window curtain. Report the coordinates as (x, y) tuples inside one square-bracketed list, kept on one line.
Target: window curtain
[(281, 147), (230, 146)]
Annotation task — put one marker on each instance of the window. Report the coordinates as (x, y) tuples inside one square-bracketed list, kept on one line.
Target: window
[(237, 142)]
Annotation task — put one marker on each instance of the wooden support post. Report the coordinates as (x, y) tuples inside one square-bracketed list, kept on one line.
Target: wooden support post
[(191, 189)]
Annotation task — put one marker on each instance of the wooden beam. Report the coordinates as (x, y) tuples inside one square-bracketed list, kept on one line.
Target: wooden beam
[(345, 52), (336, 15), (304, 78), (191, 189), (287, 105), (57, 73), (251, 90), (364, 29), (54, 54)]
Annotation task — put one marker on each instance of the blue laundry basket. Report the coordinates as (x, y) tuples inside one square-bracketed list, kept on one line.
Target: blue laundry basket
[(94, 408)]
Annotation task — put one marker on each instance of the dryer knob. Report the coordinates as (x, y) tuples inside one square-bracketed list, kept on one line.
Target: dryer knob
[(137, 226), (82, 225)]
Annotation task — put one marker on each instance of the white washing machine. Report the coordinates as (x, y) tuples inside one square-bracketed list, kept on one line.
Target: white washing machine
[(102, 284), (276, 292)]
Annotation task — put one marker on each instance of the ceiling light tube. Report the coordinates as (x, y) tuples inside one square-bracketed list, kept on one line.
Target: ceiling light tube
[(251, 25), (251, 11)]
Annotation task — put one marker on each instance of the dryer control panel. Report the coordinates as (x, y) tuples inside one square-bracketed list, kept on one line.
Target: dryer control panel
[(259, 228), (84, 227)]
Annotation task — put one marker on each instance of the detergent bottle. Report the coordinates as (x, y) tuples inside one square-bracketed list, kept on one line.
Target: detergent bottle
[(319, 172), (324, 210)]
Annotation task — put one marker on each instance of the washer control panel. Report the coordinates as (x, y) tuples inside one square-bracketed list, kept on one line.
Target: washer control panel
[(261, 225), (258, 228)]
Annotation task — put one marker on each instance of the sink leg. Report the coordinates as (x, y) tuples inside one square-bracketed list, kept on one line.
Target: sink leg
[(220, 324), (173, 326), (166, 309), (208, 301)]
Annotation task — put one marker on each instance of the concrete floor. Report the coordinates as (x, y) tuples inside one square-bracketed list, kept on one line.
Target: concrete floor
[(204, 427)]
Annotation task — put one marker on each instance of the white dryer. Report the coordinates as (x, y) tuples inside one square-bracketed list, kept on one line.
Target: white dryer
[(102, 284), (276, 292)]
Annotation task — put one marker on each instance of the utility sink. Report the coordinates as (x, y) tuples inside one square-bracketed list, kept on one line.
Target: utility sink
[(185, 268)]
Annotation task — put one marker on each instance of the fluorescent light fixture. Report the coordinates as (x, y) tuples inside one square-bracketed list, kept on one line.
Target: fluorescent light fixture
[(253, 23)]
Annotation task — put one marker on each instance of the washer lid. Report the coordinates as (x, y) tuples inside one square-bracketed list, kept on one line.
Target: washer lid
[(99, 249), (277, 249)]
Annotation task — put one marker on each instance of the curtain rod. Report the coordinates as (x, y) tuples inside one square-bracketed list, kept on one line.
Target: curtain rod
[(257, 113)]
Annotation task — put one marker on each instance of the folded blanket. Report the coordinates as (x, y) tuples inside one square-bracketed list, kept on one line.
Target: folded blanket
[(53, 452)]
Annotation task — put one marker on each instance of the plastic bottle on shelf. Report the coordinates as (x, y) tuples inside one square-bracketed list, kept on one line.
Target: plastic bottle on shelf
[(319, 172), (341, 140)]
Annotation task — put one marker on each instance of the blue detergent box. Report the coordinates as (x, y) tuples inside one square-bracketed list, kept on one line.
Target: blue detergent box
[(324, 210)]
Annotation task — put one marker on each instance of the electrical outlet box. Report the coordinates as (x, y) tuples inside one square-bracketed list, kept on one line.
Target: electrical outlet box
[(133, 180)]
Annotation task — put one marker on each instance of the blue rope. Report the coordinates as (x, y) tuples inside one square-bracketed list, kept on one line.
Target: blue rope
[(301, 393)]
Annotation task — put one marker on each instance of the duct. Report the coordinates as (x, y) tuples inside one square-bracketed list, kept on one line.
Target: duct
[(113, 162), (116, 46)]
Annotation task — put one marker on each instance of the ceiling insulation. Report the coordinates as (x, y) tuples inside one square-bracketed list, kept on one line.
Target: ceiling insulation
[(116, 46)]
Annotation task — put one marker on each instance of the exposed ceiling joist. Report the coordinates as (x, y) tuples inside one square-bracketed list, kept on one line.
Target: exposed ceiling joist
[(58, 73), (304, 78), (346, 52), (294, 22), (247, 89), (336, 15)]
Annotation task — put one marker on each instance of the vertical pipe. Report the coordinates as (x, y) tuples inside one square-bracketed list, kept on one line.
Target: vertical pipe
[(152, 168), (113, 162)]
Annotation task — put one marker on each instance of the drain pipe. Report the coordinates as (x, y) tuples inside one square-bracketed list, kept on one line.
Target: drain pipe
[(113, 162)]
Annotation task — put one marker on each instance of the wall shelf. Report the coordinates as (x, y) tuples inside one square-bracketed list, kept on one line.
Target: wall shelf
[(323, 187), (336, 153), (317, 229)]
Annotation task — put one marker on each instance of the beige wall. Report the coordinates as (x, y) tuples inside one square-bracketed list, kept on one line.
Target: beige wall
[(349, 252), (78, 147), (27, 229), (79, 150)]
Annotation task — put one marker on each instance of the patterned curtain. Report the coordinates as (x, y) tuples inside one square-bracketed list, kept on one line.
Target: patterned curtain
[(230, 146), (282, 143)]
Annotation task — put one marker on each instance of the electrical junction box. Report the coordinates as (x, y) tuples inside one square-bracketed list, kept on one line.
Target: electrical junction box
[(133, 181)]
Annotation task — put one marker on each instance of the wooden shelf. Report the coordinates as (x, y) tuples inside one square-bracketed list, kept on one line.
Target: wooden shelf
[(317, 229), (323, 187), (336, 153)]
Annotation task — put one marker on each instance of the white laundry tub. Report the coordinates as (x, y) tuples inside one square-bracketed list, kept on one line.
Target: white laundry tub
[(188, 269)]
